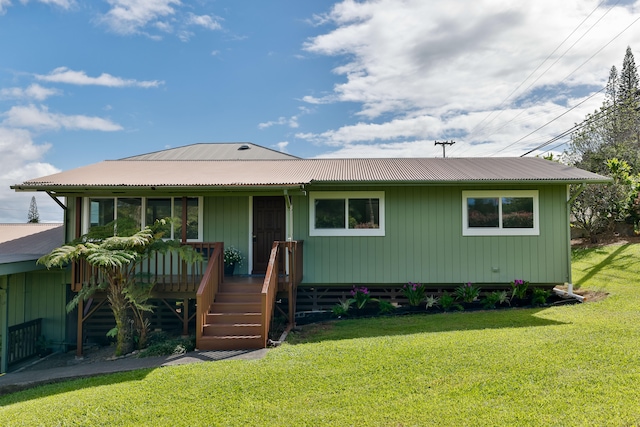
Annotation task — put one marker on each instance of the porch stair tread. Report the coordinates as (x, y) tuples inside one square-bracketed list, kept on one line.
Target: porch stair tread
[(234, 321)]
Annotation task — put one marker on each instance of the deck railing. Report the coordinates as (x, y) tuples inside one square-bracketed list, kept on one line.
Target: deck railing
[(23, 341), (292, 250), (208, 288), (168, 271), (269, 290)]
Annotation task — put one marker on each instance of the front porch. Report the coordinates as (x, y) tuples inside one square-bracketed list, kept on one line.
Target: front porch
[(230, 312)]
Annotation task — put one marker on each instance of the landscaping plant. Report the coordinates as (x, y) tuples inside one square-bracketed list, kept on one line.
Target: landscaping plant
[(448, 302), (467, 292), (361, 297), (342, 307), (519, 289), (432, 301), (414, 292), (539, 296)]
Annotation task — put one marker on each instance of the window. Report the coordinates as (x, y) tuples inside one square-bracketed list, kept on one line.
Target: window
[(495, 213), (102, 211), (342, 213)]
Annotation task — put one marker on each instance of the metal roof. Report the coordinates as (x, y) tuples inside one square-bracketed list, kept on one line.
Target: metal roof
[(34, 241), (294, 172), (215, 151)]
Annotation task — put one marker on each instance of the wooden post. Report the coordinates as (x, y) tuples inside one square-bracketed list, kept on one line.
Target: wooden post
[(185, 317), (79, 349)]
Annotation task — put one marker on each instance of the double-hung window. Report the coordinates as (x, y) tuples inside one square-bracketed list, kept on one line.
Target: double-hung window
[(346, 213), (136, 213), (500, 213)]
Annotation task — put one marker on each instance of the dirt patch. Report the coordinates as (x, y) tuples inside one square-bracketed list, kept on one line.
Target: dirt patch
[(605, 241), (589, 295)]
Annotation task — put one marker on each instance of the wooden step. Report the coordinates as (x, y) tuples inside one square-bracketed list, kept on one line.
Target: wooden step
[(236, 307), (229, 342), (233, 329), (240, 287), (226, 318), (238, 297)]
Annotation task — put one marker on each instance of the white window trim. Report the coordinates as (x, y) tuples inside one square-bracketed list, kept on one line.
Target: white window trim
[(489, 231), (346, 231), (86, 220)]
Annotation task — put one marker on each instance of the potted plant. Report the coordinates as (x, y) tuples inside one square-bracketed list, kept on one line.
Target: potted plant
[(232, 257)]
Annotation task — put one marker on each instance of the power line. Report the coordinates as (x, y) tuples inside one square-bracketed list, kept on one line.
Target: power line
[(539, 66)]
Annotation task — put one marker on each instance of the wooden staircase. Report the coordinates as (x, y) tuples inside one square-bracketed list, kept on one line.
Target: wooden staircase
[(234, 321)]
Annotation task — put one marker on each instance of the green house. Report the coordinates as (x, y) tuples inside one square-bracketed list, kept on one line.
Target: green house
[(32, 299), (374, 222)]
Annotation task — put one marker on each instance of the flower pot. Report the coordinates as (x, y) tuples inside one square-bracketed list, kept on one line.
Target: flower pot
[(229, 269)]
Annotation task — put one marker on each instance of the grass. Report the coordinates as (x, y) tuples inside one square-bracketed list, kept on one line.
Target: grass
[(568, 365)]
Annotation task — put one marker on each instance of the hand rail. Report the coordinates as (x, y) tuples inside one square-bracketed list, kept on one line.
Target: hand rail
[(269, 289), (208, 288)]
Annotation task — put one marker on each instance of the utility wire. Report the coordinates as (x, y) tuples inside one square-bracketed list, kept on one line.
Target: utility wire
[(475, 129)]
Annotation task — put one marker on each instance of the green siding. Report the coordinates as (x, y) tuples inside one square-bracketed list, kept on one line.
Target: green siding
[(226, 219), (424, 243), (39, 294)]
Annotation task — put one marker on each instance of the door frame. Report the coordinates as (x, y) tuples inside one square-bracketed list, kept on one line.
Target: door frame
[(288, 226)]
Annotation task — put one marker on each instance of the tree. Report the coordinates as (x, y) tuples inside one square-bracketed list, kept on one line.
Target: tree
[(116, 258), (33, 216), (608, 143)]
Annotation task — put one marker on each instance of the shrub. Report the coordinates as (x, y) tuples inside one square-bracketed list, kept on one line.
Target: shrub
[(342, 307), (414, 292), (467, 292), (495, 298), (448, 302), (432, 301), (361, 297), (540, 296), (519, 289), (385, 307)]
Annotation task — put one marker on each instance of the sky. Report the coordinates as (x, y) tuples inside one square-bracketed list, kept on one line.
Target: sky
[(86, 81)]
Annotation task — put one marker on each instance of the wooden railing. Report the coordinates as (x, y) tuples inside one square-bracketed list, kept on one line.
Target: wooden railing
[(208, 288), (293, 252), (269, 290), (23, 341), (295, 258), (168, 271)]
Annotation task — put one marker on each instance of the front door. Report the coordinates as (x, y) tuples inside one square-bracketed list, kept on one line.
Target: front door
[(269, 225)]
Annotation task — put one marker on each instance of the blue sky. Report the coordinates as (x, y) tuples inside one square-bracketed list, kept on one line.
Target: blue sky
[(84, 81)]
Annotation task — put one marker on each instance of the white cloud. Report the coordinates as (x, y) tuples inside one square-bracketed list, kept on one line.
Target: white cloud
[(282, 146), (40, 118), (64, 4), (65, 75), (448, 66), (205, 21), (130, 16), (25, 155), (292, 122), (34, 91), (3, 6)]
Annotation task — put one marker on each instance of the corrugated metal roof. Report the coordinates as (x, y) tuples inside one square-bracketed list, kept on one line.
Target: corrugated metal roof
[(36, 241), (19, 230), (215, 151), (247, 173)]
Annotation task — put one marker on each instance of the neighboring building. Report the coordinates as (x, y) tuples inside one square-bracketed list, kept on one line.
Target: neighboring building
[(29, 292), (373, 222)]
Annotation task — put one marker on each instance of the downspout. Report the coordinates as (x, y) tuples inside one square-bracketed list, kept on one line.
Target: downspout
[(569, 291)]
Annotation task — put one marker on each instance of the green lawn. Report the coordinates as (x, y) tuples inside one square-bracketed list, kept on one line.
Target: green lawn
[(568, 365)]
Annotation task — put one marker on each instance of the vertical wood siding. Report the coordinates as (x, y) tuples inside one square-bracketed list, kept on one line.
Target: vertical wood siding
[(39, 294), (424, 243), (226, 219)]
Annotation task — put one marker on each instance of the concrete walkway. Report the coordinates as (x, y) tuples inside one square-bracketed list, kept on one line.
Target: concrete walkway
[(15, 381)]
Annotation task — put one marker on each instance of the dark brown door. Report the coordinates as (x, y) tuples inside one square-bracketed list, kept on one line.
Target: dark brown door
[(268, 226)]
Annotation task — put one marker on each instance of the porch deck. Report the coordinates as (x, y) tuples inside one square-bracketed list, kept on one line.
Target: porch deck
[(231, 312)]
